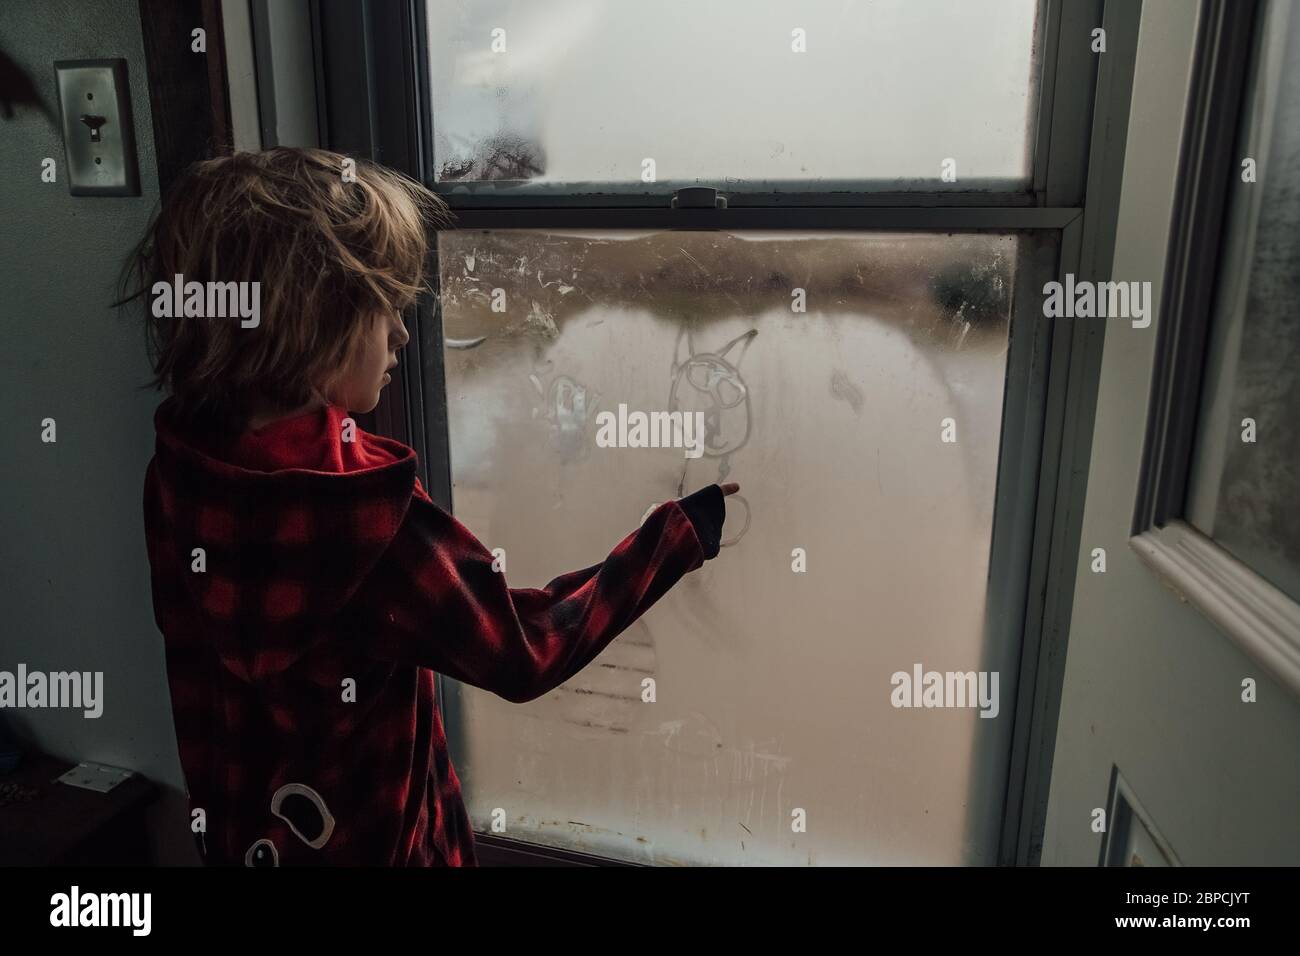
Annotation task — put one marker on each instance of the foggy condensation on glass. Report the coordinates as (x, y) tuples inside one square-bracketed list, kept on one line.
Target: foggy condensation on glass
[(573, 93), (773, 686)]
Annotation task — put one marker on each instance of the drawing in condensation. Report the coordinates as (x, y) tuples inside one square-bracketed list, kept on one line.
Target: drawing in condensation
[(716, 383)]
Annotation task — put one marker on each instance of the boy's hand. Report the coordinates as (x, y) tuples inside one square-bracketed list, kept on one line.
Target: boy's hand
[(707, 513)]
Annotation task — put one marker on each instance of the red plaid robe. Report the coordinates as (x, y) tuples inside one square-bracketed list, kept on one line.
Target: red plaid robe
[(325, 563)]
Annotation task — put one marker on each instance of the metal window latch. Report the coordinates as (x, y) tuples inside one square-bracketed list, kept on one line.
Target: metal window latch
[(698, 197)]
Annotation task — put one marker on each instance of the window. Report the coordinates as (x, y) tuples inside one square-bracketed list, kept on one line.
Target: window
[(1216, 516), (1245, 485), (837, 256)]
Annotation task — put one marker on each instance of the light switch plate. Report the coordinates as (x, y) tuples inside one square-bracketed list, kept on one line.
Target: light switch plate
[(98, 135)]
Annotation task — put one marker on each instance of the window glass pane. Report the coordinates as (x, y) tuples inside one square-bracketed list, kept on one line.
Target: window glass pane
[(773, 687), (1246, 474), (569, 94)]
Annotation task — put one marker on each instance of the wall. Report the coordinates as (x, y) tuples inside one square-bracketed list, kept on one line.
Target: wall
[(1150, 685), (72, 554)]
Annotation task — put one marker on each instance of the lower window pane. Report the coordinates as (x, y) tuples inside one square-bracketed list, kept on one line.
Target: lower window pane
[(773, 685)]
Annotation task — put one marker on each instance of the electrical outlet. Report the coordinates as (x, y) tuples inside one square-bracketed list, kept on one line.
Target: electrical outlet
[(98, 136), (96, 776)]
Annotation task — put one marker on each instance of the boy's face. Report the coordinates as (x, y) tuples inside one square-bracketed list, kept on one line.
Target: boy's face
[(357, 386)]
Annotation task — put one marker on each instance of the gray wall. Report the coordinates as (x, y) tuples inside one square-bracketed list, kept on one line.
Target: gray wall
[(1151, 686), (72, 554)]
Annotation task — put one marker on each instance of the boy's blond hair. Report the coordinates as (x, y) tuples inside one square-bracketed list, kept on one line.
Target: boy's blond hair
[(331, 252)]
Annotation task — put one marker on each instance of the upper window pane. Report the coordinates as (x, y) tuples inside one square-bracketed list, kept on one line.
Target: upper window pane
[(761, 95)]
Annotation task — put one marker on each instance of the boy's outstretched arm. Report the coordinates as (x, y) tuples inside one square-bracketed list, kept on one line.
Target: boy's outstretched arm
[(441, 605)]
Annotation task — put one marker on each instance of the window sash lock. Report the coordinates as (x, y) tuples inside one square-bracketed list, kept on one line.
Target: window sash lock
[(698, 197)]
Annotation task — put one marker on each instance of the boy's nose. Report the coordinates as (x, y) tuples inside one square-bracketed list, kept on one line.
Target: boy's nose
[(401, 337)]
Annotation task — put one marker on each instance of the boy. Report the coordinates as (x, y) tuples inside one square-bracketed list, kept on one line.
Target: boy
[(306, 586)]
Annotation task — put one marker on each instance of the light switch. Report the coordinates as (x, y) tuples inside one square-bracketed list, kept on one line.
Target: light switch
[(98, 135)]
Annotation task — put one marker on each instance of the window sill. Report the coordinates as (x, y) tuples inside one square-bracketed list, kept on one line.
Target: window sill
[(1260, 618)]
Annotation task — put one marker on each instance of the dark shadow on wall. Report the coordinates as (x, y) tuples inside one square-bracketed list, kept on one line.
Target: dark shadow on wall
[(17, 89)]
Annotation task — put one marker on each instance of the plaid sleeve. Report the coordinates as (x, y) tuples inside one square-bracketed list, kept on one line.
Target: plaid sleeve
[(436, 601)]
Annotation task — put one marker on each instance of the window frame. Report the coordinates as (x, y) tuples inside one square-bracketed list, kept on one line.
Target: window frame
[(1259, 617), (371, 105)]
